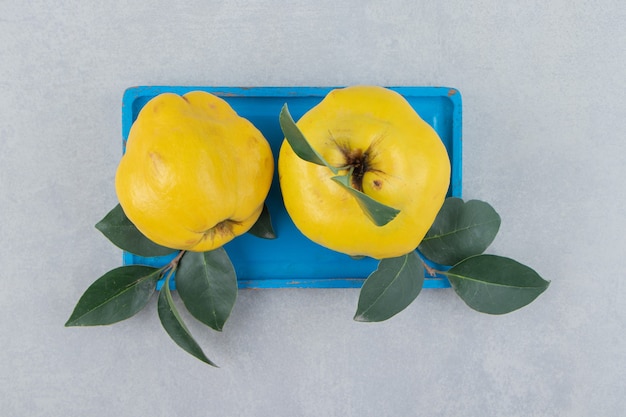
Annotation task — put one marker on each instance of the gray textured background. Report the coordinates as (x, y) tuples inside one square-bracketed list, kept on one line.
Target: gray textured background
[(544, 108)]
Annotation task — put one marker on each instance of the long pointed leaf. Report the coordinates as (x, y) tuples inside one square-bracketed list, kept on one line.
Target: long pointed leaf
[(176, 328), (379, 213), (125, 235), (115, 296), (495, 284), (391, 288), (207, 284), (298, 142)]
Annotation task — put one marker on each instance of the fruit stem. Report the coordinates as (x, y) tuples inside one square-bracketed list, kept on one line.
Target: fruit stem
[(171, 267), (431, 271), (176, 260)]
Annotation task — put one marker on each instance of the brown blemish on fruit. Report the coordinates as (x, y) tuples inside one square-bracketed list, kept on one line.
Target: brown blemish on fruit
[(190, 243), (252, 143), (157, 163), (377, 184)]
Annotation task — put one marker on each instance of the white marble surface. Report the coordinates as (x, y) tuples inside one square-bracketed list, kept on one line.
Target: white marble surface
[(544, 108)]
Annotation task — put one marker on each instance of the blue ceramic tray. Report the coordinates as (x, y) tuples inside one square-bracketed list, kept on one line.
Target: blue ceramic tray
[(292, 260)]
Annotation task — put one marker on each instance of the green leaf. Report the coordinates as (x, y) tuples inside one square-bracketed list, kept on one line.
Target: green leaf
[(460, 230), (207, 284), (125, 235), (263, 226), (116, 296), (391, 288), (377, 212), (494, 284), (298, 142), (175, 327)]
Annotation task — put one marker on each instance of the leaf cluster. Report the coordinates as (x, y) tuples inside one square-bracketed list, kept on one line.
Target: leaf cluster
[(456, 242), (206, 283)]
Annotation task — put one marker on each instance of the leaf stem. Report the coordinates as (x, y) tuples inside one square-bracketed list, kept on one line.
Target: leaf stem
[(167, 274)]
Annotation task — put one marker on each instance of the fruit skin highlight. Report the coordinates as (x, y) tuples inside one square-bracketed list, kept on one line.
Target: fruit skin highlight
[(195, 174), (398, 159)]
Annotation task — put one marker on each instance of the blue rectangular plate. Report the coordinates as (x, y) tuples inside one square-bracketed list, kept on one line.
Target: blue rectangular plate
[(292, 260)]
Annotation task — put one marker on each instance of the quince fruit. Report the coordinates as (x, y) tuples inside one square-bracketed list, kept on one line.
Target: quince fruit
[(195, 174), (394, 157)]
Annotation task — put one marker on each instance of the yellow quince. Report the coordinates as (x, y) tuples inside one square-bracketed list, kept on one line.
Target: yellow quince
[(195, 174), (395, 157)]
